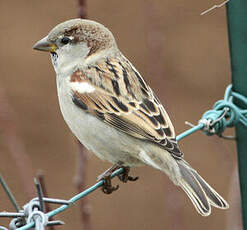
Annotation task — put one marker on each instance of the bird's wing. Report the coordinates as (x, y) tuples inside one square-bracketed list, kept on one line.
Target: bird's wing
[(113, 91)]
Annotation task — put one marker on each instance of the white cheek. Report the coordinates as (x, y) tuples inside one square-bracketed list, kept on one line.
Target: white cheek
[(70, 56), (82, 87), (74, 51)]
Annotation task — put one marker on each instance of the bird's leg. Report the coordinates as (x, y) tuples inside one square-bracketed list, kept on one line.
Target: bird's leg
[(124, 176), (107, 187), (108, 171)]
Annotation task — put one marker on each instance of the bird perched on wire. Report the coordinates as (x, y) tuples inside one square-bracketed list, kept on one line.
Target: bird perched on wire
[(114, 113)]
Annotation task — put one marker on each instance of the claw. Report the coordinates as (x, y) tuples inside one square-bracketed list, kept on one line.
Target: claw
[(107, 187), (124, 177), (130, 178)]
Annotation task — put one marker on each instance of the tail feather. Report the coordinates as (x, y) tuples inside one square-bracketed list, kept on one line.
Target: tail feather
[(201, 194), (198, 190), (214, 198), (194, 191)]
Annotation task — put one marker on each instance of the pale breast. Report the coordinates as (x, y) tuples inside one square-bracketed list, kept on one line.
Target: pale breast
[(105, 141)]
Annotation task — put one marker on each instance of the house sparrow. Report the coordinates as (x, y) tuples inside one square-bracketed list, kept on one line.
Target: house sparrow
[(112, 110)]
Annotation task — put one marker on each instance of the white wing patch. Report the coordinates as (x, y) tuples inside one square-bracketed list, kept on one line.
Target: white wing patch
[(82, 87)]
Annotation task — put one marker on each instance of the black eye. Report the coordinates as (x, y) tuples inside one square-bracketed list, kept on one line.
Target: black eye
[(65, 40)]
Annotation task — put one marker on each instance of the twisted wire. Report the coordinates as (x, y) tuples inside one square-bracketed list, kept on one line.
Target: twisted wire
[(225, 113)]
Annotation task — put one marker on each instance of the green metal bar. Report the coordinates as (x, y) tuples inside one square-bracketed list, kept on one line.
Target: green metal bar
[(237, 29)]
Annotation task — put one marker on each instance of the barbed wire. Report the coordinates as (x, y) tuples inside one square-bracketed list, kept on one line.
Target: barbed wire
[(224, 114)]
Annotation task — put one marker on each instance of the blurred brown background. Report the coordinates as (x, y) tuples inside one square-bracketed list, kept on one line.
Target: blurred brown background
[(185, 59)]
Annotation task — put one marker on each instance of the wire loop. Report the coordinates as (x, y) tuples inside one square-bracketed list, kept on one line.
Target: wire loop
[(224, 114), (17, 223), (37, 214), (3, 228)]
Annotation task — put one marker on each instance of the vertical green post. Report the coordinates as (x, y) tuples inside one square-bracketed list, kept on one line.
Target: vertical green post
[(237, 29)]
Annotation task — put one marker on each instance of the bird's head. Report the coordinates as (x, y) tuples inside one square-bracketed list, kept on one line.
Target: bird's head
[(75, 40)]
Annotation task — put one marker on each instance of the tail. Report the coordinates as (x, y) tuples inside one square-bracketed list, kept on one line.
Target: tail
[(198, 190)]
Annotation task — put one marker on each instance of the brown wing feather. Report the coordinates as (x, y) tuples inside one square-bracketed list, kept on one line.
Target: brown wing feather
[(123, 100)]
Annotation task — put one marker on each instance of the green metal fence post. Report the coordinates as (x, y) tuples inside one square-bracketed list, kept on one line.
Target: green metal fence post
[(237, 29)]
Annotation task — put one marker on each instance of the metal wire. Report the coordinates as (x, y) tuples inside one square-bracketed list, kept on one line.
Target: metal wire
[(224, 114), (73, 199), (40, 194), (9, 193)]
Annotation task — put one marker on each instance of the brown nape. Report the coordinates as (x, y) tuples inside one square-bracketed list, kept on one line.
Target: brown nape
[(97, 38)]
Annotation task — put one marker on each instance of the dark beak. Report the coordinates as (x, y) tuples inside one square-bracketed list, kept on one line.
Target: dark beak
[(45, 45)]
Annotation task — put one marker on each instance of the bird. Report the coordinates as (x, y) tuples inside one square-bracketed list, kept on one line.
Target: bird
[(114, 113)]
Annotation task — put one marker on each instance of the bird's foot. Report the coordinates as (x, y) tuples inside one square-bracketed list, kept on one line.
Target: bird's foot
[(124, 176), (107, 187)]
